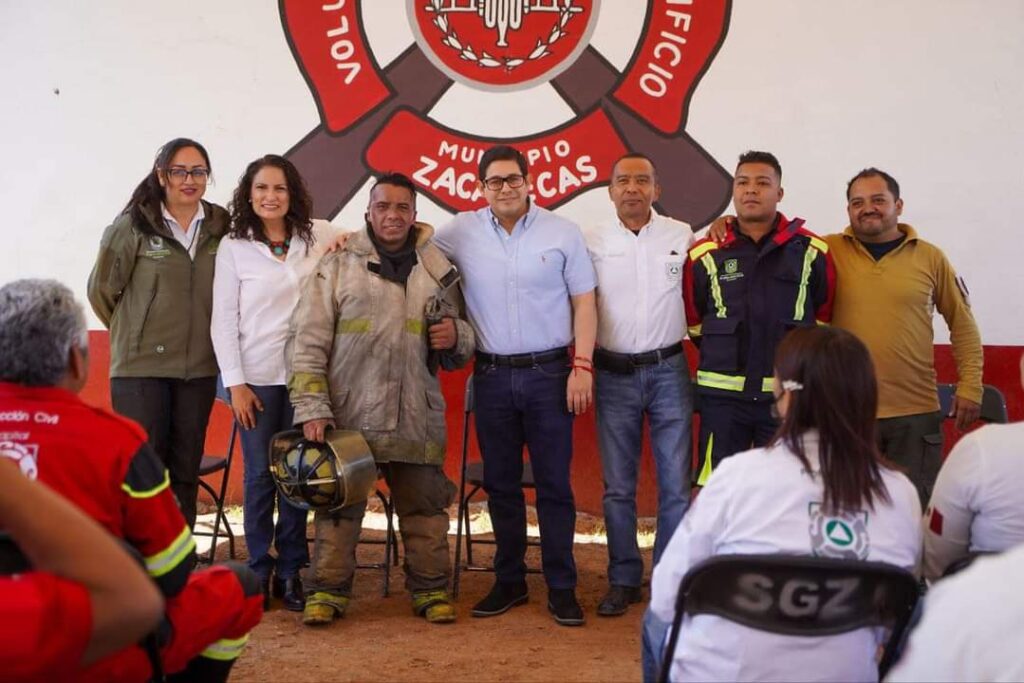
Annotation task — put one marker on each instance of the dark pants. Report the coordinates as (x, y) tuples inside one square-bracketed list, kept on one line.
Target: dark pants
[(517, 407), (174, 413), (729, 426), (421, 495), (289, 534), (914, 442)]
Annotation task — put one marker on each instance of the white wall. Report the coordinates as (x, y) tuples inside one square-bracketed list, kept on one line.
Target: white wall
[(927, 89)]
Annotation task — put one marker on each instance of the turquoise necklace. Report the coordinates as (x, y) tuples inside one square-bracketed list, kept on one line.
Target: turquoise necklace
[(279, 248)]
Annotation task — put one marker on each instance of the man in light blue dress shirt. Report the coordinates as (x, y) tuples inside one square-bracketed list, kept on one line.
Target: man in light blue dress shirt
[(529, 288)]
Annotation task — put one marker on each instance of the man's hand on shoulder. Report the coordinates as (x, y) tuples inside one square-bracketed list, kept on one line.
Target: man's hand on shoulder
[(717, 231)]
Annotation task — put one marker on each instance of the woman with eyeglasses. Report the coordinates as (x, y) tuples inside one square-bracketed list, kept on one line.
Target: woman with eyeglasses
[(820, 488), (152, 286), (271, 248)]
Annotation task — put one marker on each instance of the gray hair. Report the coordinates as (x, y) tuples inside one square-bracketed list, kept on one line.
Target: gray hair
[(40, 322)]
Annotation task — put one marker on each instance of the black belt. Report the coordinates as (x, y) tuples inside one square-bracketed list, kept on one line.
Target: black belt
[(625, 363), (522, 360)]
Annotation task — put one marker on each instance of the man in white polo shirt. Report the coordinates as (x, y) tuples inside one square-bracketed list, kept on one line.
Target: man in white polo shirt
[(641, 368)]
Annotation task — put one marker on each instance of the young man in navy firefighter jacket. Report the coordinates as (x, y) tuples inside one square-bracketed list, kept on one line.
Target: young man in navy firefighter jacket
[(768, 276)]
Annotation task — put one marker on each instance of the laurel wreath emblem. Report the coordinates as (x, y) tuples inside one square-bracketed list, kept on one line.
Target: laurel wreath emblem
[(488, 61)]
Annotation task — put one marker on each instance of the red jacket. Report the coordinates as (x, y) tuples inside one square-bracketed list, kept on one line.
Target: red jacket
[(102, 463)]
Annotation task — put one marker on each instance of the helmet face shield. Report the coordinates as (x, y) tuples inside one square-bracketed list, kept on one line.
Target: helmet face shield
[(323, 476)]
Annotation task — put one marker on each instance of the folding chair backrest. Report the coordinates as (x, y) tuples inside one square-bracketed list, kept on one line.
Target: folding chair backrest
[(800, 596), (993, 403)]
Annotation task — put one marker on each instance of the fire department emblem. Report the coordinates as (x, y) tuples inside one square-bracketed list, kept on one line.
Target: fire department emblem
[(378, 118), (502, 43), (25, 454)]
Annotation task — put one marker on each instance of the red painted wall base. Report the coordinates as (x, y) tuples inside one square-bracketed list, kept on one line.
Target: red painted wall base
[(1001, 370)]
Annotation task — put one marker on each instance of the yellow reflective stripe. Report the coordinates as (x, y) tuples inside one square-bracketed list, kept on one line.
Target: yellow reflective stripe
[(308, 383), (414, 327), (819, 244), (149, 493), (715, 380), (353, 326), (694, 331), (705, 470), (716, 289), (823, 323), (768, 384), (226, 650), (171, 556), (805, 276), (702, 249)]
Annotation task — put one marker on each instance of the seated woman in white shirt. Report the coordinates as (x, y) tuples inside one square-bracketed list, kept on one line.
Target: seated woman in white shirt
[(822, 466), (272, 247)]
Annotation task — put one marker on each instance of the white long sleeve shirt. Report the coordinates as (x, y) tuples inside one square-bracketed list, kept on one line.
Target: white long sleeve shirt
[(977, 504), (763, 501), (639, 283), (970, 630), (254, 295)]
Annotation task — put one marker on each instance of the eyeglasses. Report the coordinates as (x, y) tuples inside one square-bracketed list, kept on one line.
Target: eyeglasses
[(495, 182), (199, 175)]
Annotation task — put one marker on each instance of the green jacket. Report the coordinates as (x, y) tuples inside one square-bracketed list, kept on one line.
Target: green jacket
[(155, 300)]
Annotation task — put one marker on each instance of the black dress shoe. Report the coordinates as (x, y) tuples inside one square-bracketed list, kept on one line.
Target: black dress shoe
[(618, 599), (563, 606), (502, 598), (292, 595)]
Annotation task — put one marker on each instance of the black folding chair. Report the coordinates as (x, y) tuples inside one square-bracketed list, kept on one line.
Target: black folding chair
[(390, 544), (473, 475), (757, 591), (993, 403), (212, 464)]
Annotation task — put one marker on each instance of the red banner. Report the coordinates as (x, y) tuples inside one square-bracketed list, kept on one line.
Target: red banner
[(681, 39), (444, 163), (327, 40)]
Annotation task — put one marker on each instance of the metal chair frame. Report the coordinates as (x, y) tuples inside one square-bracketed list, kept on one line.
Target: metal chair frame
[(211, 464)]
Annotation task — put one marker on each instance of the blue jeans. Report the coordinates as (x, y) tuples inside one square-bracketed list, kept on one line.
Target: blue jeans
[(517, 407), (662, 392), (289, 535), (653, 633)]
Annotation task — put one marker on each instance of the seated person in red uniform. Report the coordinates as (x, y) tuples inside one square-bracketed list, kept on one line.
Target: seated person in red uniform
[(71, 575), (102, 463)]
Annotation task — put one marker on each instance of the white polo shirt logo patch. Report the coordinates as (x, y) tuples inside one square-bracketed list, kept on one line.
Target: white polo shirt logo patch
[(843, 537)]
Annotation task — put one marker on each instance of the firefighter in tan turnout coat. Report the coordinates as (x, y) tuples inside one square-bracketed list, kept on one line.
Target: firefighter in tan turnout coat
[(373, 324)]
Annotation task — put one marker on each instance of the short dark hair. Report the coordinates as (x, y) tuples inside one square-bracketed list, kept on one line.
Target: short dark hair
[(397, 179), (503, 153), (245, 224), (755, 157), (634, 155), (837, 396), (873, 172)]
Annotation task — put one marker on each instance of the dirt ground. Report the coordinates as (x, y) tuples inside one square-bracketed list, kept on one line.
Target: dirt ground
[(380, 640)]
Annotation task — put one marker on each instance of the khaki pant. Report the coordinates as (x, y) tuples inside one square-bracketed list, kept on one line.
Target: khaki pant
[(420, 494)]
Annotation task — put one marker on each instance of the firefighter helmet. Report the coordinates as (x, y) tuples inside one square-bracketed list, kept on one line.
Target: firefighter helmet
[(323, 476)]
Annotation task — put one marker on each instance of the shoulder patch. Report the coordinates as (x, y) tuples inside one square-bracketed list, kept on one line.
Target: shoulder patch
[(701, 248)]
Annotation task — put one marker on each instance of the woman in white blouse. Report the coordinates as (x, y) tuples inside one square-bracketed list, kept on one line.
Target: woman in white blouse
[(820, 488), (272, 247)]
